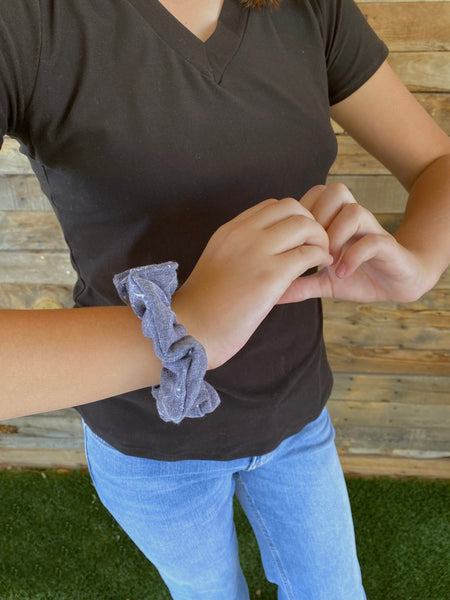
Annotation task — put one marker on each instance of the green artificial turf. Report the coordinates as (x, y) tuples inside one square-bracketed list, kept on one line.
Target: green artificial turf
[(57, 542)]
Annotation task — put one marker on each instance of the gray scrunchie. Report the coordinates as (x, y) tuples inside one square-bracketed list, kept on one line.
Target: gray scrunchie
[(182, 391)]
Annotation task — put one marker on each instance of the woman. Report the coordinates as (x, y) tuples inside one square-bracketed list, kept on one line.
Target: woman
[(153, 128)]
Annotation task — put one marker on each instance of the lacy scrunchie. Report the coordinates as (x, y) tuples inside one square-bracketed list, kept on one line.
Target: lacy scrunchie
[(182, 391)]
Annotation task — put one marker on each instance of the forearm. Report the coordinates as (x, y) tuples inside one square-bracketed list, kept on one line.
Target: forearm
[(59, 358), (425, 226)]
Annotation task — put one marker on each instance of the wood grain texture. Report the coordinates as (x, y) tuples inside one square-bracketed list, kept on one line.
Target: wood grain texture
[(422, 71), (43, 458), (379, 194), (419, 442), (61, 425), (387, 325), (26, 296), (392, 466), (46, 441), (388, 359), (393, 414), (407, 389), (12, 161), (411, 26), (37, 230), (352, 159), (36, 268), (22, 192)]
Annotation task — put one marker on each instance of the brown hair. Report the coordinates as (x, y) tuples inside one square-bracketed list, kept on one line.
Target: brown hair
[(260, 3)]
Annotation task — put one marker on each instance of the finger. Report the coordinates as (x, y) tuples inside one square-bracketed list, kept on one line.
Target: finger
[(300, 259), (254, 209), (304, 288), (350, 224), (329, 202), (295, 230), (271, 213), (309, 199), (369, 247)]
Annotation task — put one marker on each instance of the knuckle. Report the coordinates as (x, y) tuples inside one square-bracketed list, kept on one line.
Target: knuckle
[(311, 253), (320, 187), (288, 201), (229, 234), (308, 227), (339, 189), (299, 220), (354, 210), (268, 202)]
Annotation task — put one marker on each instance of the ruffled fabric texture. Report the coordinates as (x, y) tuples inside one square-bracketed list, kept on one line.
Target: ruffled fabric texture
[(182, 391)]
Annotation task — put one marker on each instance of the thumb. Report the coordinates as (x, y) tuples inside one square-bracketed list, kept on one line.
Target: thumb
[(370, 246), (305, 288)]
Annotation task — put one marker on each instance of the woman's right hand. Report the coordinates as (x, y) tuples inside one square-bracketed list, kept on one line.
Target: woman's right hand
[(247, 265)]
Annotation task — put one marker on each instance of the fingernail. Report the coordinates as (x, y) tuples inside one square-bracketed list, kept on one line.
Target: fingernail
[(340, 270)]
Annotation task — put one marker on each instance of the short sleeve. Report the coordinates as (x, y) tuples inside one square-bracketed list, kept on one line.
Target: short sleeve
[(353, 50), (20, 40)]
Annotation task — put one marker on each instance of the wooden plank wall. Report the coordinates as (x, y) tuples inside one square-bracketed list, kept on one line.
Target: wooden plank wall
[(390, 403)]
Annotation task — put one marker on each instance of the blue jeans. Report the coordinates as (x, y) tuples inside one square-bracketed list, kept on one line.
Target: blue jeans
[(180, 514)]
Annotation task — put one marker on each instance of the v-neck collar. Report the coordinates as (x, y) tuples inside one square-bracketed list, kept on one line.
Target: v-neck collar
[(210, 57)]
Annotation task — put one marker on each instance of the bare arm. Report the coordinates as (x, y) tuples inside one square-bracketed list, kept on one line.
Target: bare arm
[(370, 264), (61, 358), (388, 121), (425, 226)]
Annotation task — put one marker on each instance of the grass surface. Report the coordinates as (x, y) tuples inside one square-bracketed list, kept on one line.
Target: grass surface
[(57, 542)]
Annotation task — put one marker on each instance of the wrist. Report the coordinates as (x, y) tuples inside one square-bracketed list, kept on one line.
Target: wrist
[(429, 266), (187, 313), (182, 391)]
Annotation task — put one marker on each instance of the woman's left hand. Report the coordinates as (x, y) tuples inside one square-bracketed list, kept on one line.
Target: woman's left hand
[(369, 264)]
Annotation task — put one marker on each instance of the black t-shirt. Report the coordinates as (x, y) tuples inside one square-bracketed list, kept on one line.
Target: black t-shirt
[(146, 140)]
